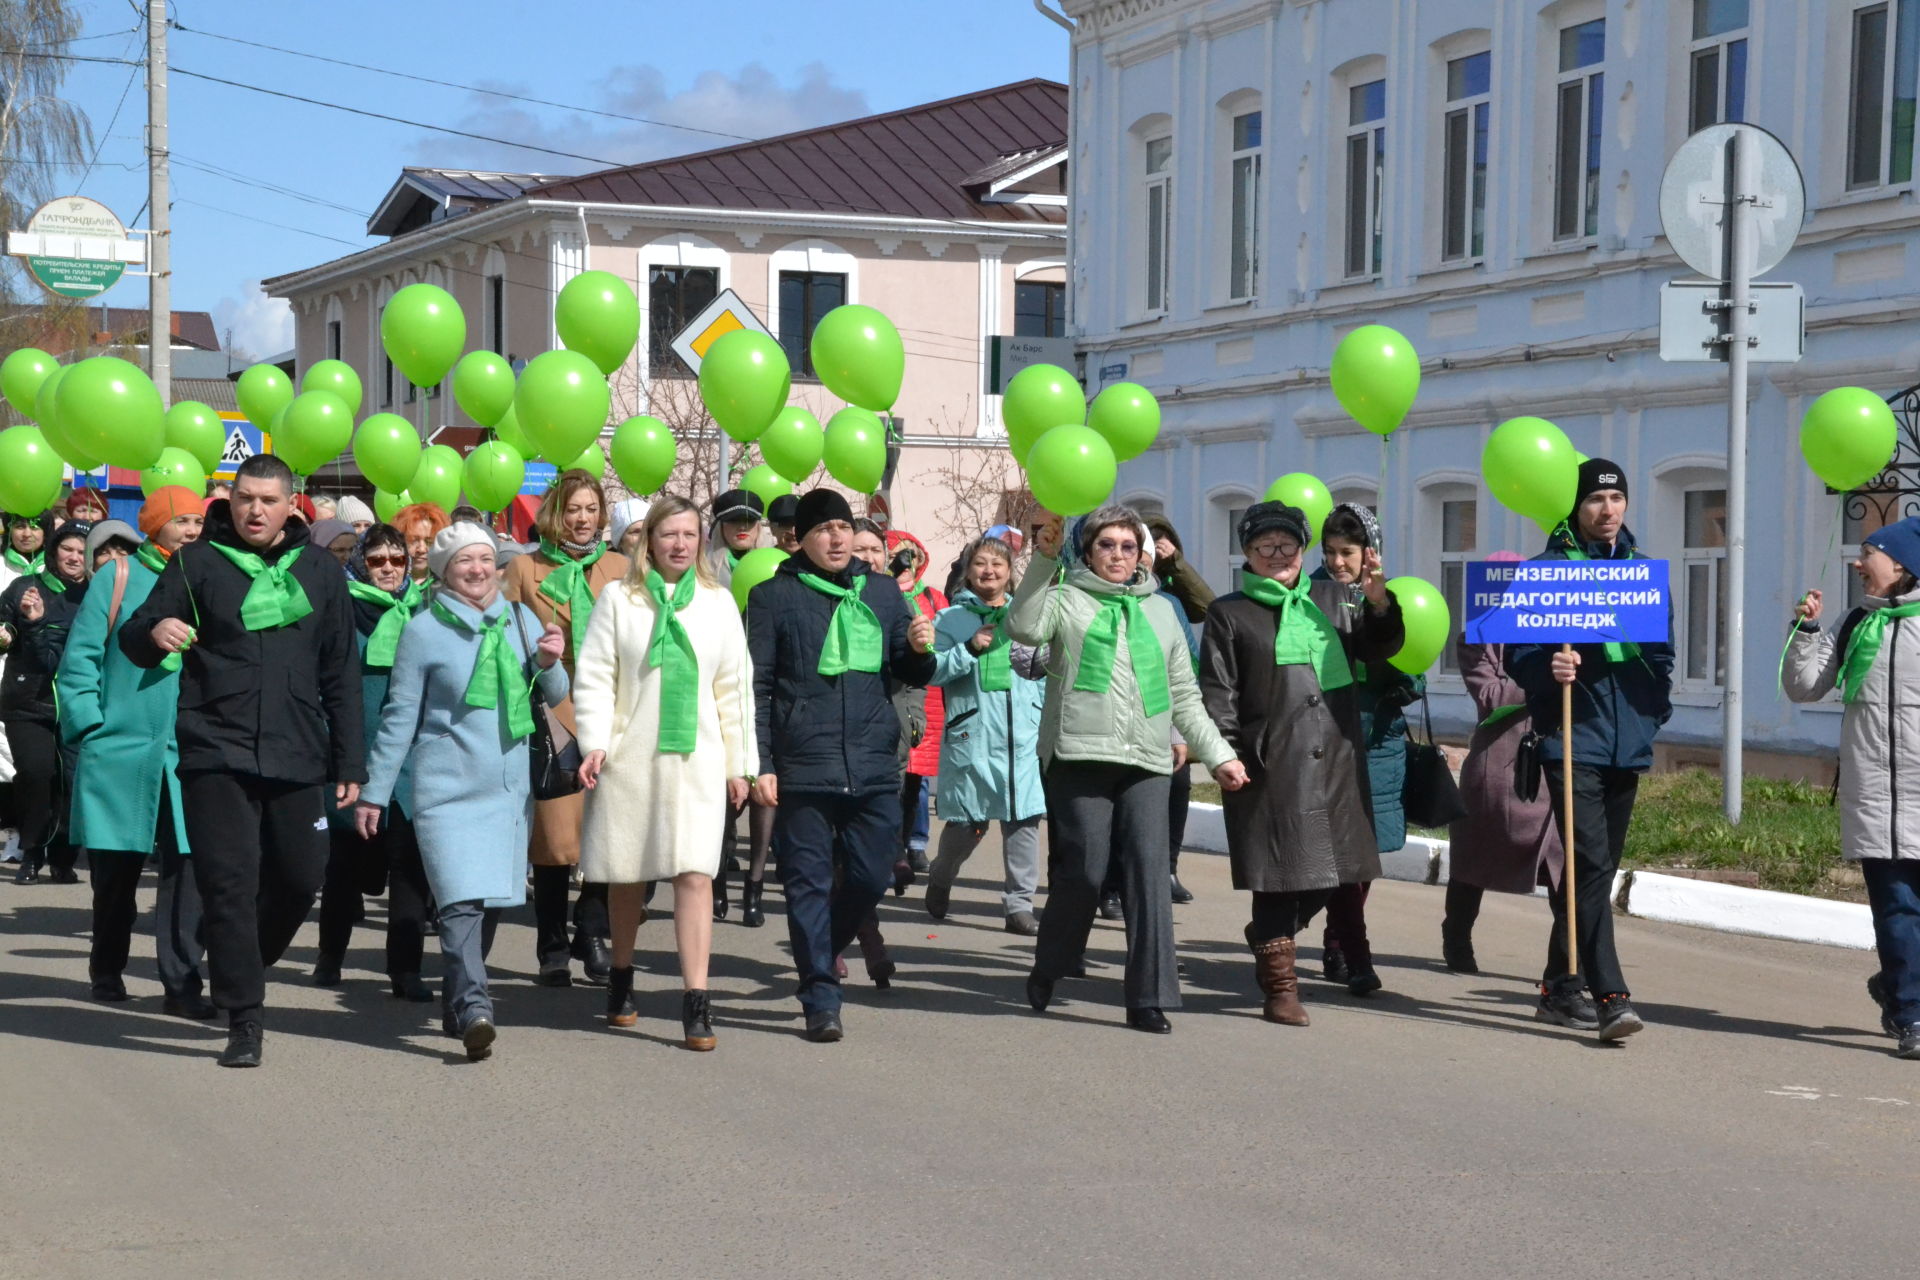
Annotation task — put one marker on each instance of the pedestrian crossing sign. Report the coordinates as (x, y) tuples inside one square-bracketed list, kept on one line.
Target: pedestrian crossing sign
[(243, 441)]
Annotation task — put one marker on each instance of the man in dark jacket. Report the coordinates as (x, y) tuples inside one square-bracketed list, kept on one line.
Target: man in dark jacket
[(1621, 697), (826, 636), (269, 717)]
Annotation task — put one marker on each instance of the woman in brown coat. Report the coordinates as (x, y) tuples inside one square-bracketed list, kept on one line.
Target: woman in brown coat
[(1504, 843), (1276, 673), (560, 583)]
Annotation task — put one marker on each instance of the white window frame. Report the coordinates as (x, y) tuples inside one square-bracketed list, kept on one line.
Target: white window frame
[(1225, 506), (380, 370), (1584, 173), (1436, 493), (1714, 560), (1242, 196), (1156, 185), (493, 301), (1720, 46), (684, 249), (1475, 110), (333, 330), (1890, 167), (1372, 135)]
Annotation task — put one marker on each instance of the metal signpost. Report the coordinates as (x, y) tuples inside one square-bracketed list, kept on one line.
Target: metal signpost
[(721, 316), (1731, 204)]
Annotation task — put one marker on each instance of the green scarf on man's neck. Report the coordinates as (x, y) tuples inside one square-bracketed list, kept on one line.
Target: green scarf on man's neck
[(1304, 635), (671, 652), (854, 640), (276, 598), (567, 586)]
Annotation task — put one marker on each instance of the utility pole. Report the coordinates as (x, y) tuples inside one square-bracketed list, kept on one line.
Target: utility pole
[(159, 255)]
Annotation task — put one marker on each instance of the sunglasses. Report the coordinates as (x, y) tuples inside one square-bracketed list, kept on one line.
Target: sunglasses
[(1109, 546), (394, 561)]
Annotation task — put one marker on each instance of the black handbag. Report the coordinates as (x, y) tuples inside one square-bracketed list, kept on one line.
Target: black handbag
[(1429, 794), (1526, 768), (553, 753)]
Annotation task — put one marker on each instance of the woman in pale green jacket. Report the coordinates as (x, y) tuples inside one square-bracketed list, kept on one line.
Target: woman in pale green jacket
[(1119, 678)]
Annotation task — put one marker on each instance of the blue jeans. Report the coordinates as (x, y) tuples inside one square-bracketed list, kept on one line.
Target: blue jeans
[(812, 834), (1893, 890)]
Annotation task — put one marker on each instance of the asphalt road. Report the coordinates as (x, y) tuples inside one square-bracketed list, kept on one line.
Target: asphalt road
[(1758, 1128)]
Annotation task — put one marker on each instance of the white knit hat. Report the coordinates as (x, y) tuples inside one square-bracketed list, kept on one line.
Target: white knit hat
[(352, 510), (625, 514), (454, 539)]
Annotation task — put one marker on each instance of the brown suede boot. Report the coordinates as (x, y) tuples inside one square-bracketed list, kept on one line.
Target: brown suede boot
[(1273, 966)]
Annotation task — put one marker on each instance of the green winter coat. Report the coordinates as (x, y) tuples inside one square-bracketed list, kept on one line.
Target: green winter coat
[(1111, 727), (120, 719)]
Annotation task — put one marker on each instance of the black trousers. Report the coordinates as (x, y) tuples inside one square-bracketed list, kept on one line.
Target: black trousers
[(834, 854), (1602, 808), (1282, 915), (550, 887), (1179, 798), (176, 924), (353, 867), (259, 857), (42, 793)]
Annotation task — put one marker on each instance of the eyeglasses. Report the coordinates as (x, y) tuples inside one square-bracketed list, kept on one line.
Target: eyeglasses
[(1275, 550), (1109, 546), (394, 561)]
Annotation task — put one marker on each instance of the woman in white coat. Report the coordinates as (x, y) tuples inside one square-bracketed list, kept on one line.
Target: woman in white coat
[(663, 696)]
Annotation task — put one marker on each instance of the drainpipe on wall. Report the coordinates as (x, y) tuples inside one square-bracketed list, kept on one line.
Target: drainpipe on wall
[(1056, 18)]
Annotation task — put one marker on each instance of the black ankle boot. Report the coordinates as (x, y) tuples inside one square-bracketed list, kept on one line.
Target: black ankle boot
[(719, 893), (620, 1011), (752, 914), (696, 1021)]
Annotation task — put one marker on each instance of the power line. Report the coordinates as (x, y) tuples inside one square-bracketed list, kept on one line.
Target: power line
[(102, 143)]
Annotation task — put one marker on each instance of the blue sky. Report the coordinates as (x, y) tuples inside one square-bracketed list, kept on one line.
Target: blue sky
[(752, 67)]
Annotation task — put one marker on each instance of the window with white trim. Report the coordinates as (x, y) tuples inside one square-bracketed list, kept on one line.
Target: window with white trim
[(675, 295), (1700, 609), (1578, 97), (1157, 200), (1717, 72), (806, 296), (1039, 309), (1464, 128), (1243, 221), (333, 339), (497, 314), (1880, 94), (1366, 176), (1228, 512), (1459, 539)]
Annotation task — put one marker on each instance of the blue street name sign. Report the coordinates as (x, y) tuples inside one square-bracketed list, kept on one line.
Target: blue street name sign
[(1567, 602), (538, 479)]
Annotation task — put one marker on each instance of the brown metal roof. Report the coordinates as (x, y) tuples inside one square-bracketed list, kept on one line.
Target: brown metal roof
[(908, 164), (107, 325)]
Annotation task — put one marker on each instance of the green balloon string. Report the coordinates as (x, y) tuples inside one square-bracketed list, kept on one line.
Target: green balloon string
[(1826, 566)]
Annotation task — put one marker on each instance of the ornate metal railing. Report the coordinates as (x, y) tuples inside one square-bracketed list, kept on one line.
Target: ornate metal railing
[(1894, 494)]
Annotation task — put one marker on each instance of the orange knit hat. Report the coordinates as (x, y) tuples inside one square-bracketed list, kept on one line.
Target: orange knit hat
[(166, 503)]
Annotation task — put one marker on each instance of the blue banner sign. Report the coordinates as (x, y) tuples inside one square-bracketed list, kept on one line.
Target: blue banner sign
[(1567, 601), (538, 479)]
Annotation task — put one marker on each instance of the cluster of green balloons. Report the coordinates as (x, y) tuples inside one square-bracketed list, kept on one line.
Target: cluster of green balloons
[(96, 411), (1071, 451), (1848, 436), (1376, 375)]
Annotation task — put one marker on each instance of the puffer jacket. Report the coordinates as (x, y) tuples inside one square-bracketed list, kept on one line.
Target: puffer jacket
[(1879, 731), (1111, 727), (989, 761)]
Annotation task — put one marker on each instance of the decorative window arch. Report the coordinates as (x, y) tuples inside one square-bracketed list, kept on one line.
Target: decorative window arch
[(805, 280), (333, 329), (679, 274)]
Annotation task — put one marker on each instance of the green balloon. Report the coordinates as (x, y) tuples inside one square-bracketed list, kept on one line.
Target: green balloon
[(766, 482), (1128, 416), (174, 466), (592, 460), (387, 505), (262, 392), (483, 387), (314, 430), (1298, 489), (21, 374), (507, 431), (46, 412), (793, 444), (856, 353), (111, 409), (387, 450), (644, 453), (198, 429), (438, 478), (423, 330), (1039, 398), (1848, 437), (30, 471), (561, 404), (856, 449), (492, 475), (597, 315), (1071, 470), (336, 376), (1530, 469), (754, 568), (1376, 374), (1429, 623), (744, 380)]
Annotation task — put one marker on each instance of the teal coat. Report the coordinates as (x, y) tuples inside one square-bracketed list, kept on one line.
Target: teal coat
[(120, 719), (990, 750)]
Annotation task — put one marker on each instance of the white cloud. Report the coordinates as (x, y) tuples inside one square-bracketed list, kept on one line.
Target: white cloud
[(753, 103), (254, 323)]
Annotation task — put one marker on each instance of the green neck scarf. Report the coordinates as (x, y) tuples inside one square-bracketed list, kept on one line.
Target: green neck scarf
[(275, 599), (854, 641), (672, 652), (996, 664), (1616, 651), (1305, 634), (151, 556), (23, 566), (1100, 648), (52, 582), (496, 679), (384, 641), (1863, 646), (567, 586)]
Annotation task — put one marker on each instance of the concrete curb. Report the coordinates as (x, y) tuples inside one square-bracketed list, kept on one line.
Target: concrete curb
[(1703, 904)]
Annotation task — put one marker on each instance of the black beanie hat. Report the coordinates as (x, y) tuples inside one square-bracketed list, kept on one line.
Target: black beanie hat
[(1597, 474), (781, 509), (818, 507), (1267, 517)]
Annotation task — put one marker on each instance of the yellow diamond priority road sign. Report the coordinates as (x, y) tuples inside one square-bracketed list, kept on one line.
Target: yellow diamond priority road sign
[(723, 315)]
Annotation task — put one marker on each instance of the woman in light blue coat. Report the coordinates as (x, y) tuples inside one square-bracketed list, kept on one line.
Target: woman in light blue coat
[(458, 714), (990, 751)]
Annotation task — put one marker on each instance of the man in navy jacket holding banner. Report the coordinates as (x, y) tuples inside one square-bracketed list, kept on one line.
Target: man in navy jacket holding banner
[(1621, 697)]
